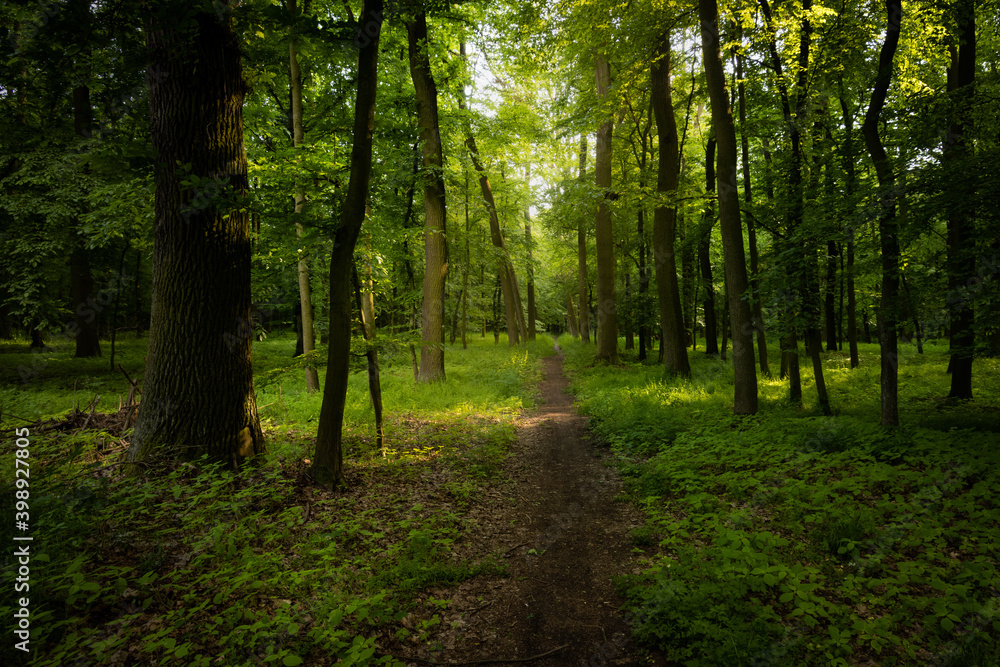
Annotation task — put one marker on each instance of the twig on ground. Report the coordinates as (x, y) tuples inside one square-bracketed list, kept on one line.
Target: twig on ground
[(481, 662)]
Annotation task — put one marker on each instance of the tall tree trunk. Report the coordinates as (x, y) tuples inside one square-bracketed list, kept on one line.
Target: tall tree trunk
[(435, 251), (830, 304), (305, 290), (88, 343), (198, 395), (328, 464), (607, 319), (849, 182), (704, 255), (672, 344), (689, 274), (758, 306), (581, 244), (532, 309), (465, 269), (961, 227), (737, 284), (888, 239)]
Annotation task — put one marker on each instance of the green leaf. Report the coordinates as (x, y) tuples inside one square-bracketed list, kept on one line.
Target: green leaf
[(292, 660)]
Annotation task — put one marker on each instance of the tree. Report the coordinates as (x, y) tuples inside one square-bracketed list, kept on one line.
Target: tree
[(198, 395), (607, 319), (581, 246), (887, 225), (327, 467), (675, 357), (745, 401), (305, 290), (961, 228), (435, 249)]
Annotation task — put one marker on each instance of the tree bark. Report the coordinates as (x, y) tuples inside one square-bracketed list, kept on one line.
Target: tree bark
[(532, 308), (607, 314), (327, 468), (581, 244), (675, 357), (198, 388), (305, 290), (704, 254), (365, 300), (849, 183), (961, 227), (737, 284), (574, 331), (888, 239), (758, 306), (435, 250)]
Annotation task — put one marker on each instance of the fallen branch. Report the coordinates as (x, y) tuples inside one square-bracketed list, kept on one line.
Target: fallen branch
[(482, 662)]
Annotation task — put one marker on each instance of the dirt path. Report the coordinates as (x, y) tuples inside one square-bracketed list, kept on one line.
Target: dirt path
[(571, 536)]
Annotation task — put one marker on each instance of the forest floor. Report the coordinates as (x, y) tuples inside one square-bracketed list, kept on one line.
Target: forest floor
[(566, 536)]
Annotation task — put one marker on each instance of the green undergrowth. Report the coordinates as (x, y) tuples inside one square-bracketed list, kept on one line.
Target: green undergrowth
[(189, 564), (789, 538)]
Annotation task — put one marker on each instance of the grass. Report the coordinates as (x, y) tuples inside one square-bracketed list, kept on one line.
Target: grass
[(201, 566), (789, 538)]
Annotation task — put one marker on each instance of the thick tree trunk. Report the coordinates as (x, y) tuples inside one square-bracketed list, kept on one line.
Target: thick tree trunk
[(607, 313), (308, 331), (435, 250), (675, 359), (198, 395), (81, 287), (574, 330), (704, 255), (961, 227), (737, 284), (327, 467), (888, 239)]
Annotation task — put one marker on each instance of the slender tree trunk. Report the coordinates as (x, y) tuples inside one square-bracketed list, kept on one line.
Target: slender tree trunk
[(465, 269), (198, 395), (327, 467), (305, 290), (532, 310), (88, 343), (435, 251), (737, 284), (581, 244), (888, 239), (849, 182), (607, 320), (704, 254), (757, 306), (672, 343), (574, 330), (830, 306), (689, 274), (961, 226), (365, 300)]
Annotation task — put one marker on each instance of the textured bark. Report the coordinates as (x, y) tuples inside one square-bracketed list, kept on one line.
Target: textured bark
[(675, 357), (704, 255), (607, 319), (888, 239), (435, 250), (961, 227), (574, 330), (198, 395), (327, 467), (737, 284), (308, 331), (581, 245)]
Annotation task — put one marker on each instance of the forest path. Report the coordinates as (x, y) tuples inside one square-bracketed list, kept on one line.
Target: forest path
[(571, 536)]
